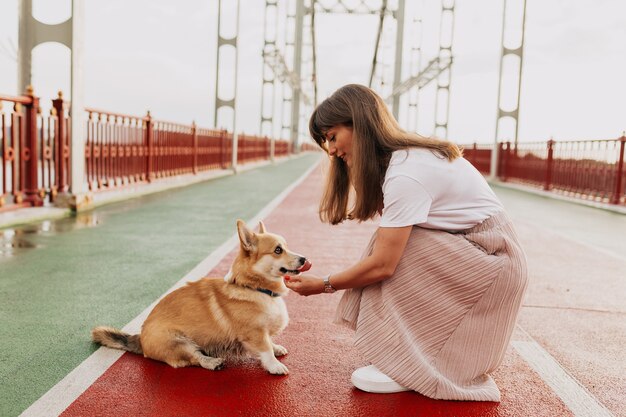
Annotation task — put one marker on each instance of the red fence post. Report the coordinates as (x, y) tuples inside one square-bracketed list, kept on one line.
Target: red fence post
[(473, 159), (504, 157), (29, 152), (241, 149), (195, 147), (61, 148), (149, 157), (223, 155), (617, 195), (548, 184)]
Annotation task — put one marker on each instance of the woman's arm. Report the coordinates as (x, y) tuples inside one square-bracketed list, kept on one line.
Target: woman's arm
[(380, 265)]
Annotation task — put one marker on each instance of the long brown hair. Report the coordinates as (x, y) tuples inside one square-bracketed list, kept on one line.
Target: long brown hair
[(375, 135)]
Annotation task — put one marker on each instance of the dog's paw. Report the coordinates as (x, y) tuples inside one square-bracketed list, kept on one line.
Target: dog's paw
[(279, 350), (213, 364), (277, 368)]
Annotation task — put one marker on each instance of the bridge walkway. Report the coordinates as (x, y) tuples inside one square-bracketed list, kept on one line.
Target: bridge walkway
[(61, 277)]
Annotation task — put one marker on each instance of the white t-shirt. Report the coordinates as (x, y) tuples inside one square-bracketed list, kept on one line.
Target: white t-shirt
[(422, 188)]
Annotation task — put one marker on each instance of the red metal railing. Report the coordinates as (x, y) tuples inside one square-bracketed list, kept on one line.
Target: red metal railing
[(251, 148), (116, 147), (120, 149), (479, 156), (61, 153), (306, 147), (591, 169), (213, 153), (281, 147), (35, 152)]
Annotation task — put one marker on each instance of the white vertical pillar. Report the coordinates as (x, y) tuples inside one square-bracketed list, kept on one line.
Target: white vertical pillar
[(77, 105), (297, 68), (71, 34), (444, 79), (507, 33), (223, 42), (235, 126), (26, 44), (397, 76)]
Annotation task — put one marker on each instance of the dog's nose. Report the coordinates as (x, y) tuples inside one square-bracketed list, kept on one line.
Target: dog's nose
[(306, 265)]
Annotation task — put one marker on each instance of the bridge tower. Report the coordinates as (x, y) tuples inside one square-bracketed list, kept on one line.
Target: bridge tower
[(299, 80), (70, 33), (225, 115), (510, 77)]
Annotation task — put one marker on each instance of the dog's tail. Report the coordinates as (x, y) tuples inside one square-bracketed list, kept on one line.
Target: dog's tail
[(116, 339)]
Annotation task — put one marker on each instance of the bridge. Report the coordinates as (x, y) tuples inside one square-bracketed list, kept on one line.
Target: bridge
[(104, 212)]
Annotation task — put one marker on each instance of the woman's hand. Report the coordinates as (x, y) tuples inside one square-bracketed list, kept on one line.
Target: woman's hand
[(305, 284), (380, 265)]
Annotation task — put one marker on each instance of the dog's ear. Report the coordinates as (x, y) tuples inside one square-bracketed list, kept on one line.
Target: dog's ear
[(261, 227), (246, 236)]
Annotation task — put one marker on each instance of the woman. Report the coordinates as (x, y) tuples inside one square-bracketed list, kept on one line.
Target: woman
[(435, 297)]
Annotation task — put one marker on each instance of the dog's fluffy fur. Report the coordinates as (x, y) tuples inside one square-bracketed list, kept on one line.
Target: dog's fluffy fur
[(201, 323)]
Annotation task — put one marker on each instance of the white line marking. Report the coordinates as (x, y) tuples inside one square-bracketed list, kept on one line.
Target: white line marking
[(575, 396), (66, 391)]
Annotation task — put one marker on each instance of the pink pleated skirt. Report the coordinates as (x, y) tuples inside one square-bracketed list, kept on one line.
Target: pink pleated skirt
[(441, 324)]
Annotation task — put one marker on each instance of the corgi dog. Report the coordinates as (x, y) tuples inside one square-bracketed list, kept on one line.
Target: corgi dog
[(206, 320)]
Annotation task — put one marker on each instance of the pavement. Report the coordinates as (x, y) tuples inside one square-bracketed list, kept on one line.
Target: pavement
[(109, 266)]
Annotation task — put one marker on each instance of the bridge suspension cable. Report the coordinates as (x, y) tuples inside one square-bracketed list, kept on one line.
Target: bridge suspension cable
[(383, 9), (313, 54), (275, 60), (435, 67)]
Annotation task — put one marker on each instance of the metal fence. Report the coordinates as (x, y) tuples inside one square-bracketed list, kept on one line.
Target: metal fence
[(120, 149), (586, 169), (479, 156), (35, 152)]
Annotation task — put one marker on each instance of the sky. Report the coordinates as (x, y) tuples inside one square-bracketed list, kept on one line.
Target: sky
[(160, 55)]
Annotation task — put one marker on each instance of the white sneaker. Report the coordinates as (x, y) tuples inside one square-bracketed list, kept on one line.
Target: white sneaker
[(370, 379)]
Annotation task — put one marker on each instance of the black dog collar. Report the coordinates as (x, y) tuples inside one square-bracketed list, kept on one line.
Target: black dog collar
[(268, 292)]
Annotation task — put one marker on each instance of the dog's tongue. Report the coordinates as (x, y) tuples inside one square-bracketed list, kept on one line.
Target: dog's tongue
[(305, 267)]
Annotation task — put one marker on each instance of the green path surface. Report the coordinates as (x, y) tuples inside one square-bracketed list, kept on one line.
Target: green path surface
[(105, 267)]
